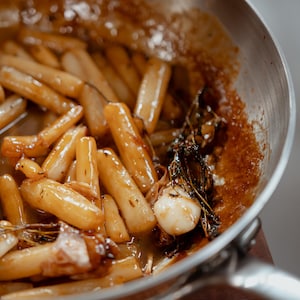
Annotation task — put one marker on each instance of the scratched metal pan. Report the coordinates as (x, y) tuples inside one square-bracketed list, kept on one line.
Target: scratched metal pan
[(265, 86)]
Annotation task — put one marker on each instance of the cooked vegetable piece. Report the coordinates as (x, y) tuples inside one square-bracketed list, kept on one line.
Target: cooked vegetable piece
[(60, 158), (38, 145), (57, 42), (86, 164), (14, 48), (30, 168), (63, 202), (34, 90), (11, 201), (121, 271), (62, 82), (11, 109), (135, 210), (152, 92), (8, 240), (121, 61), (132, 148), (124, 94), (114, 224), (12, 287), (80, 63), (93, 104), (24, 263), (73, 252), (44, 55)]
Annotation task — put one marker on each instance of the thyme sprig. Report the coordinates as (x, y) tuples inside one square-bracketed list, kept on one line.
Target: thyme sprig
[(188, 167), (32, 234)]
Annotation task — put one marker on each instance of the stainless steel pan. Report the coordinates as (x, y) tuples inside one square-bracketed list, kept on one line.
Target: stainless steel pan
[(265, 85)]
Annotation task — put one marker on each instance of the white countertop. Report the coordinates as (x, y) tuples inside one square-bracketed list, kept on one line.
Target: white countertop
[(281, 216)]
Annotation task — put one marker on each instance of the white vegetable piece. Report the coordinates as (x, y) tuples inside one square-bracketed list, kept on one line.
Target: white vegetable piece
[(7, 240), (176, 212)]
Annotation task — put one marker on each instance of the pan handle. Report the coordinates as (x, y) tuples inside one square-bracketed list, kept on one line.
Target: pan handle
[(248, 274), (256, 276)]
